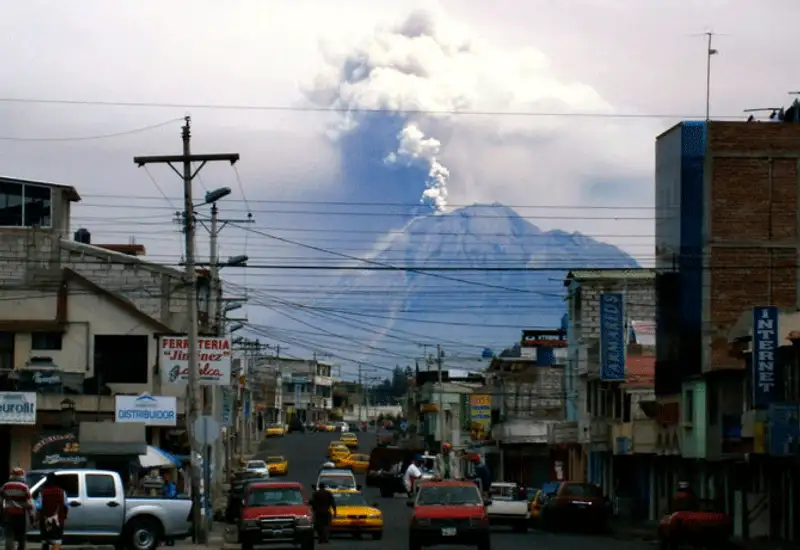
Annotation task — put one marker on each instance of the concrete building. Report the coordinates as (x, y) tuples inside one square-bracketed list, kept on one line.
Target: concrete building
[(77, 320), (727, 237), (301, 387), (588, 397)]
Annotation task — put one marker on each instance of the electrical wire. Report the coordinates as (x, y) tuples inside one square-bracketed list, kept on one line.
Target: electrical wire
[(121, 133)]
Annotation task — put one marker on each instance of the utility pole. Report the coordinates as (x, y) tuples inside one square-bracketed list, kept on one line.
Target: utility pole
[(361, 391), (440, 412), (709, 52), (193, 386)]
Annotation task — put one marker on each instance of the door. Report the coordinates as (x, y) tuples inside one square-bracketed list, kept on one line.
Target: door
[(77, 518), (106, 506)]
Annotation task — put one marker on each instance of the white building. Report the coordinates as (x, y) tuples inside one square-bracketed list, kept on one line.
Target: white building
[(305, 387)]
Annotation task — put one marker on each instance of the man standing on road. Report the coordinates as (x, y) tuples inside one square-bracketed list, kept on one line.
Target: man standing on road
[(447, 465), (17, 508), (53, 507), (481, 473), (324, 506), (412, 474)]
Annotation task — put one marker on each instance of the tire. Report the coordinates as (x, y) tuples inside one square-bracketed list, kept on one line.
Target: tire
[(247, 546), (307, 544), (414, 544), (485, 544), (520, 526), (377, 536), (143, 534)]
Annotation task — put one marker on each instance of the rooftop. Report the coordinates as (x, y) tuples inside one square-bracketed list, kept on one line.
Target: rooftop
[(70, 192), (610, 274)]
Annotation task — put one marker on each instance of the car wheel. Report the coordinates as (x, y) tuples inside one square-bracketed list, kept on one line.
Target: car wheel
[(143, 534), (414, 544), (485, 544), (377, 536)]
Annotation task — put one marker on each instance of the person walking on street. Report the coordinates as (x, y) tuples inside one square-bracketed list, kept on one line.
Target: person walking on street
[(447, 464), (481, 473), (53, 507), (17, 508), (324, 506), (412, 474)]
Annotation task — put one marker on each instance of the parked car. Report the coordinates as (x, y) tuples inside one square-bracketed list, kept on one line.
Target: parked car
[(572, 504), (100, 514), (509, 506), (704, 527), (238, 487), (276, 512), (257, 466), (449, 512)]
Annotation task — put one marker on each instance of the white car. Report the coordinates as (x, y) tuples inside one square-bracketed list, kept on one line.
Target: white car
[(258, 466), (507, 508), (337, 479)]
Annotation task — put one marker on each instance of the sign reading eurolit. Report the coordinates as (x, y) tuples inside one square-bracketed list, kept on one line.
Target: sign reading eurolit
[(17, 407), (147, 409), (213, 360)]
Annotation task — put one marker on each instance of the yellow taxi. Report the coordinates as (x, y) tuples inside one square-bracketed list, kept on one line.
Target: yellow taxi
[(277, 465), (350, 440), (337, 449), (274, 430), (536, 506), (358, 463), (355, 516), (330, 428)]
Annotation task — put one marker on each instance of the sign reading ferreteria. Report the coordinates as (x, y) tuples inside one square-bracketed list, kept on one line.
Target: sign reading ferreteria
[(764, 359), (612, 336), (213, 360)]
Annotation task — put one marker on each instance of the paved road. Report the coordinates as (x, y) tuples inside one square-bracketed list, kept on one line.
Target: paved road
[(306, 453)]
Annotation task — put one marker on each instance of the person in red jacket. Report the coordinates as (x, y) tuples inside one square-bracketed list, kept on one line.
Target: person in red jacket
[(53, 507), (17, 508)]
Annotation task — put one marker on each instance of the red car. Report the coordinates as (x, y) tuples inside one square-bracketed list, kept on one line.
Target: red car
[(276, 513), (449, 512), (572, 505), (705, 527)]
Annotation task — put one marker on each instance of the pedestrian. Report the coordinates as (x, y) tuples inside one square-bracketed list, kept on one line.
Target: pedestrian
[(412, 474), (52, 507), (17, 508), (447, 465), (481, 474), (324, 507), (169, 490)]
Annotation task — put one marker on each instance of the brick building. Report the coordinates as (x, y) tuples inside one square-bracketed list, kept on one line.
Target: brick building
[(726, 241)]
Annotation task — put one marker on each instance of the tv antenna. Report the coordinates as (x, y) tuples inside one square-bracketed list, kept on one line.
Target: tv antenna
[(774, 113)]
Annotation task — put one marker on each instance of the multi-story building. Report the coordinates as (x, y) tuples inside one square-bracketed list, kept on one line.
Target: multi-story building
[(590, 393), (305, 387), (727, 237), (77, 322)]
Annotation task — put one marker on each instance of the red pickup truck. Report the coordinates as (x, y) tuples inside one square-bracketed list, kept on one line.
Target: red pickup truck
[(276, 513), (449, 512)]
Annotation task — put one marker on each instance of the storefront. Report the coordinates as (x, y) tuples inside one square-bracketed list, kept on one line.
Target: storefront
[(17, 414)]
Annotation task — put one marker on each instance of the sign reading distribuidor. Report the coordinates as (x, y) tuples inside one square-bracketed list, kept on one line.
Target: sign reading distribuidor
[(147, 409), (213, 360)]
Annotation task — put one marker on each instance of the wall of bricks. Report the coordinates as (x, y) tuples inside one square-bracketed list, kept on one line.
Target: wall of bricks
[(536, 393), (752, 225)]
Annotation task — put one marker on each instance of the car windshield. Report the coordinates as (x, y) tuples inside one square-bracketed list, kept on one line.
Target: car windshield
[(274, 459), (582, 490), (432, 495), (350, 499), (337, 482), (360, 458), (276, 426), (256, 464), (502, 492), (274, 496), (348, 436)]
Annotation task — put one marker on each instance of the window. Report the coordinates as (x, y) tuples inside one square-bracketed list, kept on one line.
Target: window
[(284, 496), (626, 408), (100, 486), (46, 340), (10, 204), (6, 351), (584, 490), (454, 495), (38, 208), (688, 406), (25, 205), (69, 482)]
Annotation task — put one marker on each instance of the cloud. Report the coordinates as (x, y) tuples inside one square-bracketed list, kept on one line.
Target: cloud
[(426, 68)]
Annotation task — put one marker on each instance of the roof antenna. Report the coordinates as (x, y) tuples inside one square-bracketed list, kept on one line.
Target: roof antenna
[(774, 113)]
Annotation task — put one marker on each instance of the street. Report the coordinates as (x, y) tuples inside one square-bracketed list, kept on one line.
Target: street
[(306, 453)]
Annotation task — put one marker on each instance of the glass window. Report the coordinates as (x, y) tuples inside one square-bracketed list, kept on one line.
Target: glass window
[(581, 490), (46, 340), (38, 207), (350, 499), (274, 459), (278, 496), (10, 204), (100, 486), (69, 482), (337, 482), (432, 495)]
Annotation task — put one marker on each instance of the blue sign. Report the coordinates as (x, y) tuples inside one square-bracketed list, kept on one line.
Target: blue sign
[(404, 425), (247, 407), (612, 336), (784, 429), (764, 357)]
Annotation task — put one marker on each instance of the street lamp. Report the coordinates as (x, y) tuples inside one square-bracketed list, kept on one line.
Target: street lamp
[(217, 194), (236, 261), (68, 408)]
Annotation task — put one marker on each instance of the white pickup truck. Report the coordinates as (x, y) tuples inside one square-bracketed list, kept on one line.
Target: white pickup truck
[(99, 513), (508, 507)]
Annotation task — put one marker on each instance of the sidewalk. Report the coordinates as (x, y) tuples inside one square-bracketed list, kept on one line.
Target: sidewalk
[(634, 530)]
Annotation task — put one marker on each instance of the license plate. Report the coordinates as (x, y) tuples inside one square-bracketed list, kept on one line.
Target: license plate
[(449, 532)]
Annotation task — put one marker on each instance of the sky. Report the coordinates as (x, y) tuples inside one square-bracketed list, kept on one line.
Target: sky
[(353, 117)]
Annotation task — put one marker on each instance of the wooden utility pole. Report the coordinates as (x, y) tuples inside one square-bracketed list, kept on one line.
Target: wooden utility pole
[(187, 174)]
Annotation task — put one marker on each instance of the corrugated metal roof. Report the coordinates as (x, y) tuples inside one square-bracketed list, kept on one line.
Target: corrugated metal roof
[(580, 275)]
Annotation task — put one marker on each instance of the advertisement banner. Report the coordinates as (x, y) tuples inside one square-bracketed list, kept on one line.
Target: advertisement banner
[(213, 360), (226, 407), (480, 415), (764, 356), (146, 409), (53, 449), (784, 429), (17, 408), (612, 337)]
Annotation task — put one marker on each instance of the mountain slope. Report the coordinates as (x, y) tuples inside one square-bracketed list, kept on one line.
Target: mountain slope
[(388, 312)]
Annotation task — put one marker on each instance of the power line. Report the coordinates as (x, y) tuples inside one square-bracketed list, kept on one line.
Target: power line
[(314, 109), (93, 137)]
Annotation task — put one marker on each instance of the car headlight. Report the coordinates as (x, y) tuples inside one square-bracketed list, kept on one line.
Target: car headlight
[(250, 524), (303, 521), (374, 516)]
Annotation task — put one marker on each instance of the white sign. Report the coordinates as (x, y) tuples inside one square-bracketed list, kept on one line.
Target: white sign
[(205, 430), (147, 409), (213, 360), (17, 407)]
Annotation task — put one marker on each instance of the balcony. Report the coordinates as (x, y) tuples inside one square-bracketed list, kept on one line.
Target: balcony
[(637, 437), (600, 434), (522, 431), (562, 433)]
